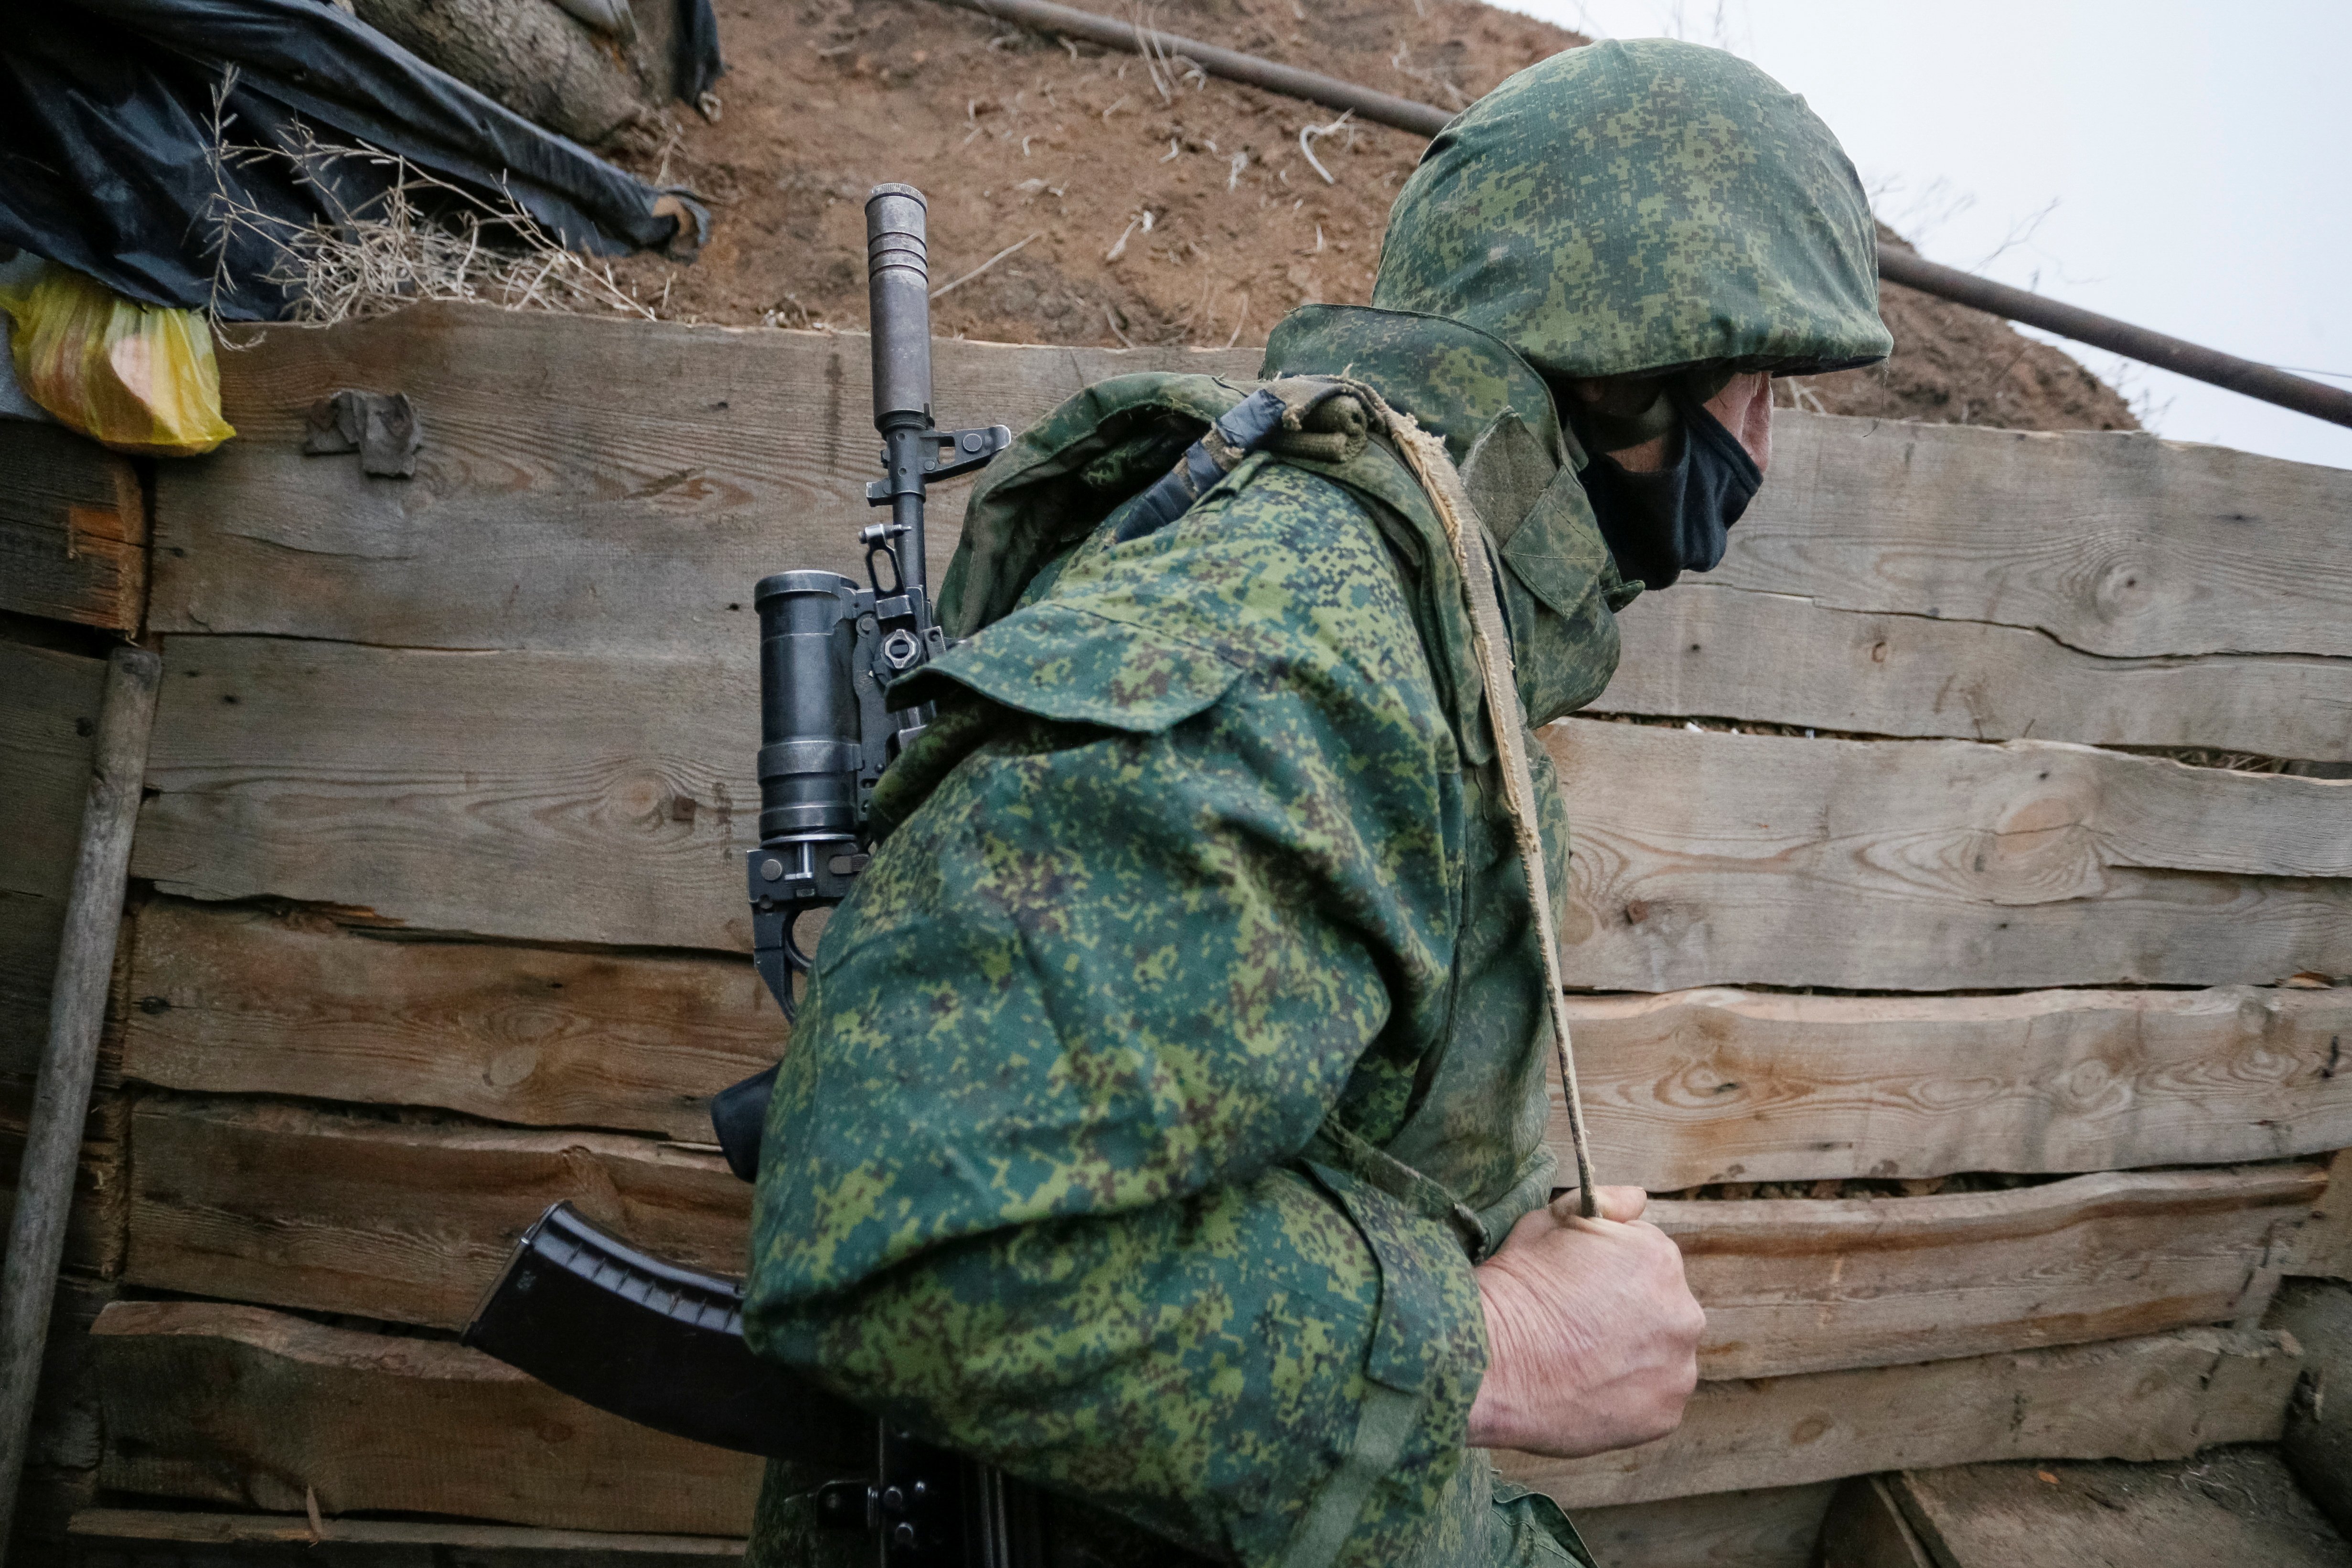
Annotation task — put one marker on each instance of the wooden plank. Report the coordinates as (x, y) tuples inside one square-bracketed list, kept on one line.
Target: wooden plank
[(1776, 1528), (1683, 1089), (582, 484), (2165, 1396), (410, 1222), (405, 1221), (49, 718), (67, 1439), (2323, 1248), (153, 1537), (2228, 1510), (586, 480), (2122, 545), (30, 927), (1939, 865), (577, 797), (249, 1408), (1724, 1086), (562, 796), (245, 1408), (67, 1434), (240, 1001), (95, 1227), (1710, 650), (73, 529), (1816, 1285)]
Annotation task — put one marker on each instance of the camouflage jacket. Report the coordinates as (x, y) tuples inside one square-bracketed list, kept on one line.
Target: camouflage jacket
[(1200, 889), (1183, 1046)]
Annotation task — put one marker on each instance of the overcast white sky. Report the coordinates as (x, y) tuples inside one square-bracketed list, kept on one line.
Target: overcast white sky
[(2181, 164)]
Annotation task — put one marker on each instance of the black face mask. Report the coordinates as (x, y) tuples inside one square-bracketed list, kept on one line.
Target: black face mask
[(1663, 524)]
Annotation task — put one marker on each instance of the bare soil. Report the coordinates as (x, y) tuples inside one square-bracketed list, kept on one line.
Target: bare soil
[(1152, 204)]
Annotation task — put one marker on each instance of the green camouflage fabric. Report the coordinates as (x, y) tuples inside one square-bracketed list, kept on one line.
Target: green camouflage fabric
[(1193, 859), (1182, 1048), (1637, 206)]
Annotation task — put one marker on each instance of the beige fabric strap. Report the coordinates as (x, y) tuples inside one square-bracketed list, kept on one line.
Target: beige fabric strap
[(1425, 454)]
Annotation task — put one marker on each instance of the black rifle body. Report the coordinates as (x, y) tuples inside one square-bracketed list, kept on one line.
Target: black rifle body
[(662, 1345)]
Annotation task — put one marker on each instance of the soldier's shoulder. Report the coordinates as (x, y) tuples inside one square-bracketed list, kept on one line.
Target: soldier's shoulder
[(1274, 565), (1278, 580)]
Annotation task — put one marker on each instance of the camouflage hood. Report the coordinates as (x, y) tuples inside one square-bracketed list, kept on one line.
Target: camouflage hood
[(1639, 205)]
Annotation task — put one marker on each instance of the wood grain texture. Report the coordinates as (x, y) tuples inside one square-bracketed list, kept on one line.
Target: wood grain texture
[(73, 529), (48, 721), (272, 1538), (543, 795), (405, 1221), (1816, 1285), (1938, 866), (582, 484), (2322, 1247), (1715, 1085), (1682, 1089), (243, 1406), (580, 797), (410, 1222), (238, 1000), (1710, 650), (96, 1223), (1775, 1528), (238, 1405), (2232, 1509), (585, 480), (67, 1433), (2123, 544), (2164, 1396)]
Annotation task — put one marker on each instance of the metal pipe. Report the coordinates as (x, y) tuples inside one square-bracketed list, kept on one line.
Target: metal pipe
[(2166, 353), (1385, 109), (2265, 382), (37, 1232)]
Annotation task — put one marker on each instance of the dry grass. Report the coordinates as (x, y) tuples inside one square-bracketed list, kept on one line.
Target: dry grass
[(421, 238)]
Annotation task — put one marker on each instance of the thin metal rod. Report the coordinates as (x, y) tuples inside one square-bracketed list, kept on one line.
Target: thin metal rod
[(2266, 382), (36, 1233)]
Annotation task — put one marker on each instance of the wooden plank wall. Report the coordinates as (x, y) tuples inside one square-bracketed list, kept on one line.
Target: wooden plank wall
[(451, 776), (73, 530), (73, 575)]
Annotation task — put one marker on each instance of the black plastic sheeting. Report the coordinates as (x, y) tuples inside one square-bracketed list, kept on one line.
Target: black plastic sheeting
[(107, 133)]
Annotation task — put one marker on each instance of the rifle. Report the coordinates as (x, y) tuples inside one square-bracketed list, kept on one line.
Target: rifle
[(663, 1345)]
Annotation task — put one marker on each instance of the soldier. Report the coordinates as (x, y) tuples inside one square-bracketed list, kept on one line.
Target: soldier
[(1165, 1123)]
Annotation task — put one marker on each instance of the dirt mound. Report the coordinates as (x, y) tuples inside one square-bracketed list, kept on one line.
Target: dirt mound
[(1953, 365), (1144, 203)]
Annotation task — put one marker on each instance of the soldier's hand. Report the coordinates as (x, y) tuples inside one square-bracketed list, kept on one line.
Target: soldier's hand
[(1593, 1334)]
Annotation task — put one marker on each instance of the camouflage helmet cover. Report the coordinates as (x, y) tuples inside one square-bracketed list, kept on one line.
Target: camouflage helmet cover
[(1638, 205)]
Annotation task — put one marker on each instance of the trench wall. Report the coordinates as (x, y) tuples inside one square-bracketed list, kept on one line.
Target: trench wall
[(1961, 913)]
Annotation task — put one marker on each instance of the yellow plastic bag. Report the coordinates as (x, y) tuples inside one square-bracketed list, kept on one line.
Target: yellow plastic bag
[(138, 378)]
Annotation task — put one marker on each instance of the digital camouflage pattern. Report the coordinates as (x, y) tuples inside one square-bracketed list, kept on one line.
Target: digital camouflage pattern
[(1640, 205), (1183, 1045), (1190, 862)]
